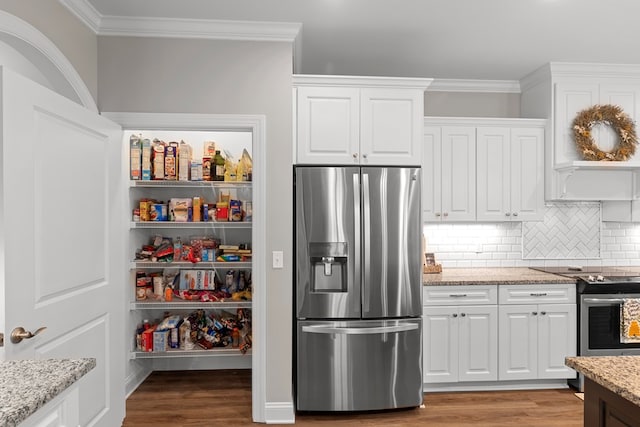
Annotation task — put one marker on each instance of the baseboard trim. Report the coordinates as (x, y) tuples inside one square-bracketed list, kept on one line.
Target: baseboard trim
[(132, 382), (279, 413), (496, 385)]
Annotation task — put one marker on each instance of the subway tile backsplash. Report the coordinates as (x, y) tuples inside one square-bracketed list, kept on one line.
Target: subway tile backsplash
[(501, 244)]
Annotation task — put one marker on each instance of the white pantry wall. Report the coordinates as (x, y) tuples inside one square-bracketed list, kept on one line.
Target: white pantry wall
[(501, 245)]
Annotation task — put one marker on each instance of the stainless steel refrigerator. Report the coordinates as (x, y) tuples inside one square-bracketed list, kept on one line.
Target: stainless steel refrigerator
[(358, 288)]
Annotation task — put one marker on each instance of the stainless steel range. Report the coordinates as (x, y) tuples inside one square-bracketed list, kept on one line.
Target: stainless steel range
[(600, 294)]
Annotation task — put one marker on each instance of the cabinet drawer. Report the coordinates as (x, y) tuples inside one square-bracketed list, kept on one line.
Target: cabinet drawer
[(534, 293), (460, 295)]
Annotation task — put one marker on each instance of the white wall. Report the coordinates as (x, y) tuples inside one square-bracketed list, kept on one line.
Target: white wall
[(222, 77), (459, 104)]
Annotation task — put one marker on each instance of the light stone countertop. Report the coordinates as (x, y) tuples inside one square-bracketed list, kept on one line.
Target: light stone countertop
[(620, 374), (492, 276), (27, 385)]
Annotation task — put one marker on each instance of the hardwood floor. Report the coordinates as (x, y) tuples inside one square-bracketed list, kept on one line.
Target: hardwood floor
[(223, 398)]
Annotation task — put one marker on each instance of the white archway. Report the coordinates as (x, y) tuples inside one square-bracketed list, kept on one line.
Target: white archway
[(29, 52)]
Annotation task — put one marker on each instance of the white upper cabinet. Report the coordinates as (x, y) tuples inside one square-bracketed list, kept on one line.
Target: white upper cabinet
[(449, 173), (510, 172), (558, 92), (358, 120), (479, 169)]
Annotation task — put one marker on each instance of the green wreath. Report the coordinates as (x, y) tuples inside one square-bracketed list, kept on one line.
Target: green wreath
[(613, 116)]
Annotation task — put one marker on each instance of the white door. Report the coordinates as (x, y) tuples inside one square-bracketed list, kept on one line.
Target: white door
[(440, 344), (431, 174), (478, 348), (527, 174), (557, 339), (493, 172), (458, 173), (61, 246), (391, 122), (518, 342), (328, 125)]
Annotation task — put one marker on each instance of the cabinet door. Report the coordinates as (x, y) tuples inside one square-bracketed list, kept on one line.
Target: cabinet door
[(527, 174), (518, 342), (494, 182), (458, 173), (478, 348), (626, 97), (328, 125), (569, 100), (431, 173), (556, 339), (440, 344), (391, 122)]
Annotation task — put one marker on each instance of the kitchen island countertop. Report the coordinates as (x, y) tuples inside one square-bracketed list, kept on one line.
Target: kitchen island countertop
[(492, 276), (619, 374), (27, 385)]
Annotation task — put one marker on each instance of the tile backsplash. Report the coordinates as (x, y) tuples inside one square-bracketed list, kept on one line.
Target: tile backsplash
[(501, 244)]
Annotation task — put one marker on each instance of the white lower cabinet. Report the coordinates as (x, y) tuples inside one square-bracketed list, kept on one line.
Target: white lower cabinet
[(537, 331), (494, 333), (460, 341), (460, 344)]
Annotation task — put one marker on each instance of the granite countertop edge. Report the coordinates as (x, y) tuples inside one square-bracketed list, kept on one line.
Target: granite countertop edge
[(493, 276), (620, 374), (27, 385)]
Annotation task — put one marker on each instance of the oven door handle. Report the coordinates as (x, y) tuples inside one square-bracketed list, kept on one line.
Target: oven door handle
[(604, 300)]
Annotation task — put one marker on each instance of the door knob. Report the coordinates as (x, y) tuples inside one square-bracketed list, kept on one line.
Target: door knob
[(19, 334)]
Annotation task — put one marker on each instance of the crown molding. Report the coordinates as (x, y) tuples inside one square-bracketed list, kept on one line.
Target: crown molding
[(198, 28), (360, 81), (482, 86), (106, 25), (85, 12)]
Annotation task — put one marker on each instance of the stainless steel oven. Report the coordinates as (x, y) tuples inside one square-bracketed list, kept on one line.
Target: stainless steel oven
[(599, 325), (599, 300)]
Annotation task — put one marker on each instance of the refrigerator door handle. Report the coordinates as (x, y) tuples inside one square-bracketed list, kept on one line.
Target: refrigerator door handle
[(356, 228), (366, 241), (321, 329)]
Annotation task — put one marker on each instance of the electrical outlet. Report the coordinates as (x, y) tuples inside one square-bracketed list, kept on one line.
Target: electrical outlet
[(278, 259)]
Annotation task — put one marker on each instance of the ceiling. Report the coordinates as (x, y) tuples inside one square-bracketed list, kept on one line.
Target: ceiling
[(442, 39)]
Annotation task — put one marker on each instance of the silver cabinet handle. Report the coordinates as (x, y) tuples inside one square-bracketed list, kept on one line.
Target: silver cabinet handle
[(515, 214), (437, 213), (543, 313), (463, 314), (457, 295), (19, 334), (319, 329), (541, 294), (446, 214), (455, 314), (535, 313), (364, 156), (508, 214), (355, 155)]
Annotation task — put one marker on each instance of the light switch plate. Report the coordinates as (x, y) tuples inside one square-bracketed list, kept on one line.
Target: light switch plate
[(278, 259)]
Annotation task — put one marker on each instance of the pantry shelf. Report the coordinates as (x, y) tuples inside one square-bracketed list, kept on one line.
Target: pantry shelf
[(189, 265), (188, 305), (190, 184), (216, 352), (199, 224)]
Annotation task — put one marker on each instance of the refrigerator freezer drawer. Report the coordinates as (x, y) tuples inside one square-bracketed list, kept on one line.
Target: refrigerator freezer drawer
[(358, 365)]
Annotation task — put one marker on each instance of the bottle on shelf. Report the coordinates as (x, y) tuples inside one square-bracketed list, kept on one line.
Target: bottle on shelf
[(218, 161)]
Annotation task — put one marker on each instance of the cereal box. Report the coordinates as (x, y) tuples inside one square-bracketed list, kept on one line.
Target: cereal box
[(135, 158), (146, 159)]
